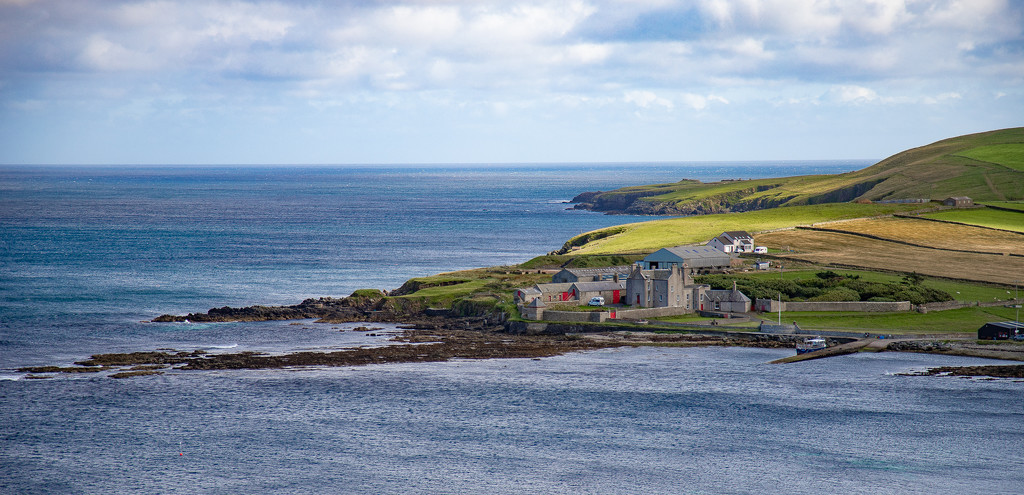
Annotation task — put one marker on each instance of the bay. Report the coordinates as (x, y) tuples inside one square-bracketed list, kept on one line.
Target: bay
[(87, 254)]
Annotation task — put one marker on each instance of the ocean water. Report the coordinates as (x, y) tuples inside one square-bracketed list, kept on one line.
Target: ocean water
[(88, 254)]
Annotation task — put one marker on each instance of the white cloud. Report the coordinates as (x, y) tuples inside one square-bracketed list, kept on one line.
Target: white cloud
[(647, 99), (102, 54), (854, 94)]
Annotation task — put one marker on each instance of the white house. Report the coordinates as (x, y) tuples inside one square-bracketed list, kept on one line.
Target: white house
[(734, 241)]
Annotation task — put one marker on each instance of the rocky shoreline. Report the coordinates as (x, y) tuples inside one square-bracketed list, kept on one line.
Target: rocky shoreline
[(440, 335), (412, 346), (996, 371)]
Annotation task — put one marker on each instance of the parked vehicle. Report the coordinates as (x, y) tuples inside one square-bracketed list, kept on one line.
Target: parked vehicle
[(596, 301)]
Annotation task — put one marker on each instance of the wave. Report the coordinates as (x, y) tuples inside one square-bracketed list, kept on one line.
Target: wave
[(231, 346)]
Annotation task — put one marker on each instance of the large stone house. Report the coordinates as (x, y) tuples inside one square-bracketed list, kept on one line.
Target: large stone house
[(734, 241), (699, 258), (671, 287)]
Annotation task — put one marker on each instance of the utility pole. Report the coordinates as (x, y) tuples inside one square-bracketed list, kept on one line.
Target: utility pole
[(780, 309)]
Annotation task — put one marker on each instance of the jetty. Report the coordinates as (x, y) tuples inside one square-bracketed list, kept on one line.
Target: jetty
[(836, 350)]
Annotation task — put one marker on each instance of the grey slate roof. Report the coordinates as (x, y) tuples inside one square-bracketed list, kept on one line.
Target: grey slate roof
[(1009, 325), (694, 256), (581, 272), (601, 286), (739, 234), (729, 295), (563, 287)]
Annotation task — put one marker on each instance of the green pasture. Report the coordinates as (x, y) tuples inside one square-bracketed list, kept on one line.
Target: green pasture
[(961, 291), (450, 292), (695, 191), (965, 320), (646, 237), (984, 217), (1010, 155), (1012, 205)]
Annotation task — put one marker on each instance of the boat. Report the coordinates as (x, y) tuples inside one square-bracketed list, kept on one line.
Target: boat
[(810, 345)]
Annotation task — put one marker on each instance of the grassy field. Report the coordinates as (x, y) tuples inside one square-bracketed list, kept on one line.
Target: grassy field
[(936, 234), (646, 237), (495, 284), (1013, 205), (985, 217), (961, 291), (844, 249), (1009, 155), (966, 320)]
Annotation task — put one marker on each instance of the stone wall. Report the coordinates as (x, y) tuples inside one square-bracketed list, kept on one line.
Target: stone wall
[(865, 306), (772, 306), (576, 316), (641, 313), (941, 306)]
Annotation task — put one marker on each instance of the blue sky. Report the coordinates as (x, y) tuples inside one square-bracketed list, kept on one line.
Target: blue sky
[(312, 82)]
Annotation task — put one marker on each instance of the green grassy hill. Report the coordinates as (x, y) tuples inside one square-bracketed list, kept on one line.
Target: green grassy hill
[(646, 237), (988, 166)]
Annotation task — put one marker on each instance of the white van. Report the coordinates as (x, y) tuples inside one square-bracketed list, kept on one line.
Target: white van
[(596, 301)]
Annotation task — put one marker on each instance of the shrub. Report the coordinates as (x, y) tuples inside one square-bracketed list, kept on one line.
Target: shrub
[(837, 294)]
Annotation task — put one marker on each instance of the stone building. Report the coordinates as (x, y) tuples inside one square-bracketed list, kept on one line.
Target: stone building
[(728, 301), (958, 201), (569, 275), (698, 258), (672, 287)]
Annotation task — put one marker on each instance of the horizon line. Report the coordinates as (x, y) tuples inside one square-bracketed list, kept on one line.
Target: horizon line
[(445, 164)]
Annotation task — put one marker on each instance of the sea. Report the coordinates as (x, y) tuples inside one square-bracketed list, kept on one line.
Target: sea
[(90, 254)]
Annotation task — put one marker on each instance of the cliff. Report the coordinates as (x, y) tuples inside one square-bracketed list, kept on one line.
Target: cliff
[(987, 166)]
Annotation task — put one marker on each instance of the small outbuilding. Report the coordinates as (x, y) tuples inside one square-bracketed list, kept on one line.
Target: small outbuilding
[(1000, 330), (534, 310), (958, 201)]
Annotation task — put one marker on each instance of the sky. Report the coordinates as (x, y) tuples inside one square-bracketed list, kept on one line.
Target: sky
[(478, 81)]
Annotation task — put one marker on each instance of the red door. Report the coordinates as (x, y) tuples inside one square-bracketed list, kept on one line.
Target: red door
[(565, 296), (615, 297)]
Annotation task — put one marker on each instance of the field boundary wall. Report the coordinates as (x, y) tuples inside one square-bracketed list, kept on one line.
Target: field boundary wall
[(772, 305)]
